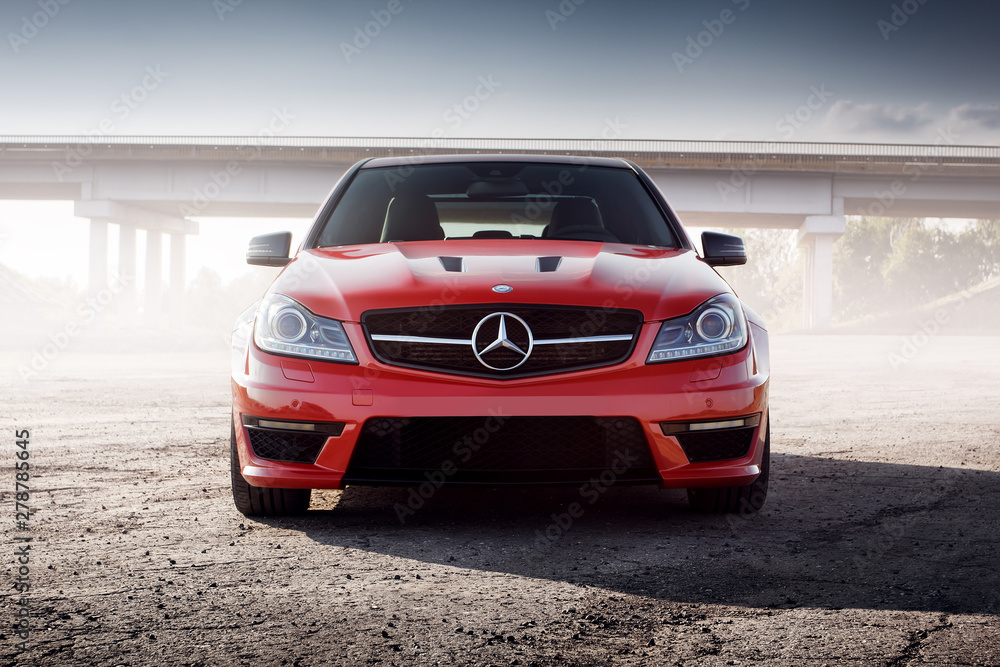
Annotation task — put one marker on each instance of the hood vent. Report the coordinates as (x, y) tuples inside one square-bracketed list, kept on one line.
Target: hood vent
[(542, 264), (547, 264), (453, 264)]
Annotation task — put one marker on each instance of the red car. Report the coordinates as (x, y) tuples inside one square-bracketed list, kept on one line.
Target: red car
[(498, 320)]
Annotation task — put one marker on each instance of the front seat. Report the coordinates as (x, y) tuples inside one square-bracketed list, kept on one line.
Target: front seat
[(577, 219), (412, 218)]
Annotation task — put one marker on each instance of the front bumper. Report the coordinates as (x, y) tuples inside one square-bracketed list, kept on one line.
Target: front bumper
[(729, 387)]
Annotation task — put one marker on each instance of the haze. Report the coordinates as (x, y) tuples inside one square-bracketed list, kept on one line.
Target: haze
[(853, 71)]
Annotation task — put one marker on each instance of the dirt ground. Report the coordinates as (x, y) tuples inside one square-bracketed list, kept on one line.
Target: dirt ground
[(878, 544)]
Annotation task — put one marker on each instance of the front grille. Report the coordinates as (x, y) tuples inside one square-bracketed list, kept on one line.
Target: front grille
[(733, 443), (500, 450), (287, 446), (458, 324)]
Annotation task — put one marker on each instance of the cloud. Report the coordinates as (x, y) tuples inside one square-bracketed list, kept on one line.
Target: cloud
[(982, 117), (846, 116)]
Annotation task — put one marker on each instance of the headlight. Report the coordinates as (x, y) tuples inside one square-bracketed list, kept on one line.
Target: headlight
[(715, 327), (285, 326)]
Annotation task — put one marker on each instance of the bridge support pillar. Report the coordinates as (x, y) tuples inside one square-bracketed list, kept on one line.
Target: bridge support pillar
[(153, 299), (131, 218), (817, 236), (178, 260), (98, 280), (126, 275)]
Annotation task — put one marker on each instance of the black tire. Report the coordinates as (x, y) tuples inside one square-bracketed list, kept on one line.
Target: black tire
[(732, 499), (258, 501)]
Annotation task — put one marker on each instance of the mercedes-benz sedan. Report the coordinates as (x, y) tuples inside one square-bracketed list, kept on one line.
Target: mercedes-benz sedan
[(498, 320)]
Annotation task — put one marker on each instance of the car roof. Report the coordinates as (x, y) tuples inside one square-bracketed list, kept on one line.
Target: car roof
[(416, 159)]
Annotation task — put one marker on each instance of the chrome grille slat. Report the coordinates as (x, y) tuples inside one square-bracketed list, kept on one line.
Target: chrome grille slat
[(421, 339), (458, 341)]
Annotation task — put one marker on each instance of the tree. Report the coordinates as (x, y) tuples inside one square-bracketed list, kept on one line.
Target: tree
[(890, 265), (205, 301), (771, 280)]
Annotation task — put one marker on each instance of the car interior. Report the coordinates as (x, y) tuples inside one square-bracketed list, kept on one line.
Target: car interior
[(496, 201)]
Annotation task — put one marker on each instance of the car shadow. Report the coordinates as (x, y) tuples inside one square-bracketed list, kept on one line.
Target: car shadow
[(834, 534)]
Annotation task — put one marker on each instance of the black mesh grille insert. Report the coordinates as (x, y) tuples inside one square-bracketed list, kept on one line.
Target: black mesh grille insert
[(505, 450), (718, 445), (286, 445), (459, 323)]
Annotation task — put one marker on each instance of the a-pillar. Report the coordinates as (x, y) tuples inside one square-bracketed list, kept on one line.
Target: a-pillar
[(178, 260), (817, 235), (153, 301), (127, 302)]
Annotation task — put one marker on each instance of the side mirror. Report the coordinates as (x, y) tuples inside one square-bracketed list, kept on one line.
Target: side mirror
[(723, 249), (270, 249)]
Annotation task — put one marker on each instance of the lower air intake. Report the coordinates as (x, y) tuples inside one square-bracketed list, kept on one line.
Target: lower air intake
[(733, 443), (500, 450), (287, 446)]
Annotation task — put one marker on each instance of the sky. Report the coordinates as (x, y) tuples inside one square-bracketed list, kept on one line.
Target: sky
[(787, 70), (666, 70)]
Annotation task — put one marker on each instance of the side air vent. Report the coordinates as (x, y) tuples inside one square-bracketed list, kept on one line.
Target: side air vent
[(547, 264), (453, 264)]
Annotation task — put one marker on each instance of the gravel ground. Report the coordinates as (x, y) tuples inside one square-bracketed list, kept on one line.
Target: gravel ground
[(877, 545)]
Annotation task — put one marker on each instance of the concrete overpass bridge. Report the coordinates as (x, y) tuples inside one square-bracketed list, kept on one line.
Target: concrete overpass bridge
[(159, 183)]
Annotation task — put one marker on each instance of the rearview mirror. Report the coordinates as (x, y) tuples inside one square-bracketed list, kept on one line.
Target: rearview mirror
[(270, 249), (503, 187), (722, 249)]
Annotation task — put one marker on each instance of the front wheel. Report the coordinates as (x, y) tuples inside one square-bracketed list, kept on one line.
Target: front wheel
[(731, 499), (259, 501)]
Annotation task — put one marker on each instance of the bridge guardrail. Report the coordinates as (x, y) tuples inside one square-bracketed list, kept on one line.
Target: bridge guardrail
[(649, 152)]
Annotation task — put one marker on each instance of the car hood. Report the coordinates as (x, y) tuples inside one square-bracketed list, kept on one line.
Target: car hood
[(344, 282)]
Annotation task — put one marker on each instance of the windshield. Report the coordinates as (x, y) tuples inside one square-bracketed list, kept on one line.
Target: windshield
[(496, 200)]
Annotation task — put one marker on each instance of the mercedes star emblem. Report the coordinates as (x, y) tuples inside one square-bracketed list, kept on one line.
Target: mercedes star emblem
[(509, 349)]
